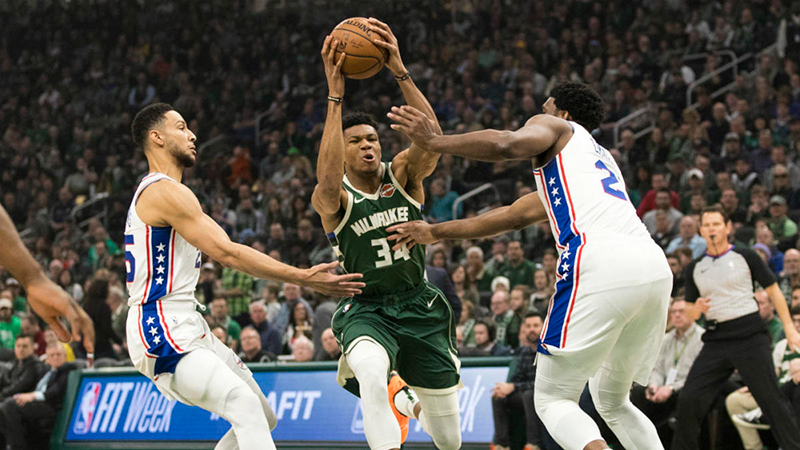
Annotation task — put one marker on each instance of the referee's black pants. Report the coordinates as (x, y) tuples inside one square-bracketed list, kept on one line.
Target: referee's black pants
[(752, 357)]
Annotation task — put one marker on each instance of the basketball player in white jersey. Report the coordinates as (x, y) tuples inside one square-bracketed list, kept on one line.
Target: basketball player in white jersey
[(607, 317), (168, 340)]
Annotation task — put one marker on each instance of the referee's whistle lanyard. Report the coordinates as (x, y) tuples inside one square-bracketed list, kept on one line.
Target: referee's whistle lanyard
[(677, 356)]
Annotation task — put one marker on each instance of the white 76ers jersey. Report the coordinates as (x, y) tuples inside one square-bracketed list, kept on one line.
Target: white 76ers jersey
[(601, 242), (161, 265)]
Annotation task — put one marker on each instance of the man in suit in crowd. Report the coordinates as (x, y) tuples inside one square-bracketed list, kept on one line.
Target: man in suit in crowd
[(44, 402), (23, 374)]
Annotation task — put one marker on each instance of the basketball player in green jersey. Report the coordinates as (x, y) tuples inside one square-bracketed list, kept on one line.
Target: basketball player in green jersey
[(399, 321)]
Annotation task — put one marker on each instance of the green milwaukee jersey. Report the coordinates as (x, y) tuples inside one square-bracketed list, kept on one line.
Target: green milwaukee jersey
[(360, 238)]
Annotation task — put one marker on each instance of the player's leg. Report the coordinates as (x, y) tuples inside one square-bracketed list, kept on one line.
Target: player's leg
[(201, 378), (370, 363), (556, 395), (632, 355), (427, 361), (439, 416), (237, 366)]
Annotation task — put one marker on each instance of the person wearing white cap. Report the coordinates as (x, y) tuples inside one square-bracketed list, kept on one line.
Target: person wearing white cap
[(780, 225), (10, 325)]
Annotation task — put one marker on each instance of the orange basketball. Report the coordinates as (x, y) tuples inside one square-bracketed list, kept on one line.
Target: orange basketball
[(364, 58)]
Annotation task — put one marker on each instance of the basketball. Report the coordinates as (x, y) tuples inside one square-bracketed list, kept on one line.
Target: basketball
[(364, 59)]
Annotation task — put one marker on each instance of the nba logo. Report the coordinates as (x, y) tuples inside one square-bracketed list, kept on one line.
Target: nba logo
[(83, 420)]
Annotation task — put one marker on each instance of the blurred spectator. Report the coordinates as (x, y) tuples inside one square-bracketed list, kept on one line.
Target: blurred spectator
[(730, 204), (222, 335), (742, 406), (790, 277), (291, 296), (516, 395), (466, 325), (67, 283), (463, 288), (207, 284), (30, 327), (98, 310), (302, 350), (323, 314), (270, 336), (299, 326), (780, 225), (663, 234), (51, 339), (767, 312), (440, 204), (237, 288), (518, 301), (477, 273), (662, 201), (677, 274), (218, 317), (119, 316), (502, 315), (20, 304), (251, 347), (330, 347), (517, 269), (10, 325), (659, 399), (24, 373), (658, 182), (688, 237), (545, 287), (20, 415), (486, 340)]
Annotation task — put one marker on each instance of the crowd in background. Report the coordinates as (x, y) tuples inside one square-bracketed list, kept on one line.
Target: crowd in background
[(73, 74)]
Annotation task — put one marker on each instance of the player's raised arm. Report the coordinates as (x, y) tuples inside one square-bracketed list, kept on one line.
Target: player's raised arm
[(46, 298), (526, 211), (327, 196), (418, 164), (539, 134), (174, 204)]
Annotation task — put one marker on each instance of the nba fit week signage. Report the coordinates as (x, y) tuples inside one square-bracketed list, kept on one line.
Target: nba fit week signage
[(310, 407)]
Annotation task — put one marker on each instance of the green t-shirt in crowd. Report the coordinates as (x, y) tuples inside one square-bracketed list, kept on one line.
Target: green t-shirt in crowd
[(775, 328), (9, 332), (521, 274)]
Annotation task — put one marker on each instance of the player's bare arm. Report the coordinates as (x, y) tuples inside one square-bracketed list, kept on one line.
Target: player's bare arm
[(415, 164), (329, 198), (167, 203), (526, 211), (46, 298), (540, 134)]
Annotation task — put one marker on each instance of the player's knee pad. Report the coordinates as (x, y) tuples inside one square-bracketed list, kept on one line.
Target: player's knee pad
[(243, 408)]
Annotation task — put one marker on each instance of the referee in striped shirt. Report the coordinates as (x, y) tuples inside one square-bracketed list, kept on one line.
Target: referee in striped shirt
[(720, 284)]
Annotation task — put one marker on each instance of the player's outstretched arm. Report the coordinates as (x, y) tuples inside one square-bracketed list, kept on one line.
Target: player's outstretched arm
[(46, 298), (538, 135), (175, 205), (330, 162), (418, 163), (526, 211)]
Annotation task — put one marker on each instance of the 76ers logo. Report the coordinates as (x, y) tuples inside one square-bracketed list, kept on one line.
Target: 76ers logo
[(387, 190)]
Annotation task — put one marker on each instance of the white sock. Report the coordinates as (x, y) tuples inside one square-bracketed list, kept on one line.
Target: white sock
[(405, 400)]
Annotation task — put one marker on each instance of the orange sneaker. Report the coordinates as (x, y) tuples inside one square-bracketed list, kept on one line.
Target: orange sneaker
[(396, 384)]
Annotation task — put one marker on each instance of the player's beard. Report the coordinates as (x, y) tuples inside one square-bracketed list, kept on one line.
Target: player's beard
[(185, 160)]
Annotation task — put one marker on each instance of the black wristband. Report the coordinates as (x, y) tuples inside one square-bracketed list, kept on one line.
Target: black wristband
[(403, 77), (335, 99)]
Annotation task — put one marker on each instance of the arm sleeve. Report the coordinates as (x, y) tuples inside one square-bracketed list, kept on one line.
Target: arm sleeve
[(691, 293), (758, 268)]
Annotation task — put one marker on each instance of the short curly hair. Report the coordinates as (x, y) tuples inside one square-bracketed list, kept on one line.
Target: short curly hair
[(359, 118), (581, 102), (148, 118)]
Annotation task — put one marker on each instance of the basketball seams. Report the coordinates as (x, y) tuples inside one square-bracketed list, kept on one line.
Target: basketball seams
[(380, 49)]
